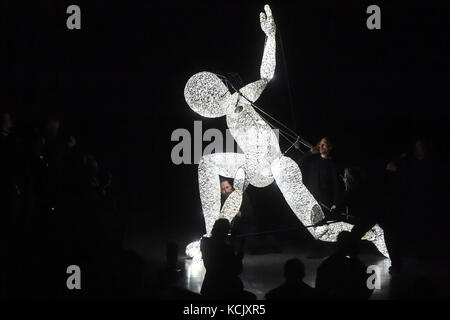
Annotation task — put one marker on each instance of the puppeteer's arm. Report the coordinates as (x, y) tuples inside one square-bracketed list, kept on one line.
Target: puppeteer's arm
[(253, 90)]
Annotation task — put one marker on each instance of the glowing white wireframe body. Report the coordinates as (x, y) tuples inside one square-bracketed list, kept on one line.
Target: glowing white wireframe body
[(262, 161)]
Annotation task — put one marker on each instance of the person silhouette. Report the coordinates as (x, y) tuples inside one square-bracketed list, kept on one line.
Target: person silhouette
[(293, 287), (342, 275), (222, 265)]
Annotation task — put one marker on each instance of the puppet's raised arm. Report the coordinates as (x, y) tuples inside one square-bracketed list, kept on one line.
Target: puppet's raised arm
[(253, 90), (268, 62)]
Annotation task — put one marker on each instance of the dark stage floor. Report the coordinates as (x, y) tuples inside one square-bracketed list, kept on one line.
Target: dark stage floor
[(264, 272), (421, 279)]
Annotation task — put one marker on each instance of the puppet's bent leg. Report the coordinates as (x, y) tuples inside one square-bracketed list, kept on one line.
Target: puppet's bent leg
[(232, 205), (289, 179), (209, 169)]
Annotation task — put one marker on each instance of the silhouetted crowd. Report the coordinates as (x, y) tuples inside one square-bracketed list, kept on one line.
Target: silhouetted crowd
[(57, 210), (407, 198), (342, 275)]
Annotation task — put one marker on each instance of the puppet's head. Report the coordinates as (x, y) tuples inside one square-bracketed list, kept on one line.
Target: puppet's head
[(206, 94)]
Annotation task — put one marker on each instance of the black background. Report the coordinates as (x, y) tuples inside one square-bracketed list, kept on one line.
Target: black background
[(117, 84)]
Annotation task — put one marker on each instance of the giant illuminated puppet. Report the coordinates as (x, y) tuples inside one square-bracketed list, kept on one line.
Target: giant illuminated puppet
[(261, 162)]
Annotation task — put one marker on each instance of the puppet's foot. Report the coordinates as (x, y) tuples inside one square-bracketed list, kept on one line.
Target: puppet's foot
[(193, 250), (376, 236)]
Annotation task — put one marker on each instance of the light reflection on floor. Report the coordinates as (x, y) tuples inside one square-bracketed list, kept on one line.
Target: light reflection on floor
[(194, 274), (262, 273)]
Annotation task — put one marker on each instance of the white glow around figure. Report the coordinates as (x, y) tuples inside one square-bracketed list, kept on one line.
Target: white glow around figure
[(262, 161)]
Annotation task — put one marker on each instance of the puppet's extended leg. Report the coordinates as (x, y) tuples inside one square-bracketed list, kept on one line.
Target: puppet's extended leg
[(288, 177), (330, 233), (289, 180), (209, 169)]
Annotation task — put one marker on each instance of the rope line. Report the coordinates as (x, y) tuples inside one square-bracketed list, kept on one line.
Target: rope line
[(291, 100), (284, 135), (292, 132), (285, 229)]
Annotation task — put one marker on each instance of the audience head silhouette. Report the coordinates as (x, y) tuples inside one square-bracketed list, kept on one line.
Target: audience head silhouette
[(6, 123), (51, 127), (294, 270), (347, 244), (421, 149), (220, 229)]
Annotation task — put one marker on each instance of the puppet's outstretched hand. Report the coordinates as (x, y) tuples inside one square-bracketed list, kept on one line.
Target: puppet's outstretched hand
[(267, 22)]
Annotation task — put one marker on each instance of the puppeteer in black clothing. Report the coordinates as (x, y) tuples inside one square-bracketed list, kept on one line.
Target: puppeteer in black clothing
[(320, 173), (244, 221), (222, 264), (364, 203)]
